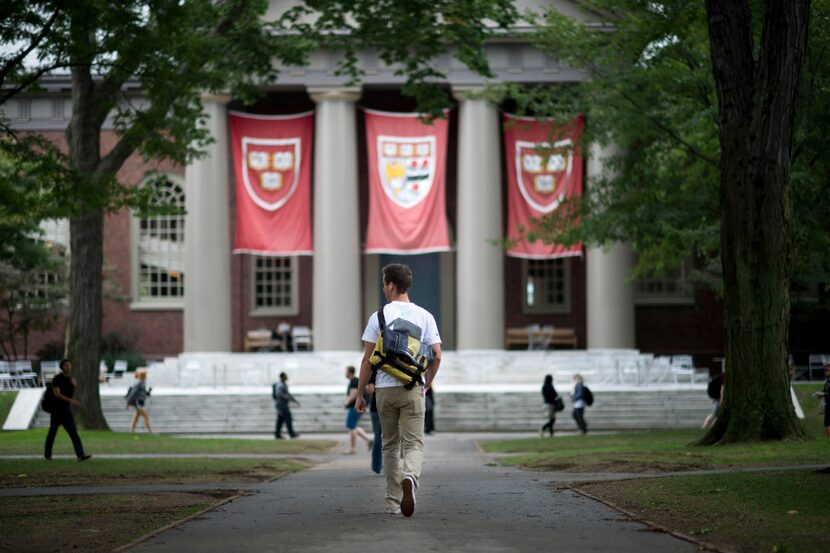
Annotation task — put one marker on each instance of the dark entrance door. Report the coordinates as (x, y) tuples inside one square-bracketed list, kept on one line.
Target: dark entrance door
[(426, 280)]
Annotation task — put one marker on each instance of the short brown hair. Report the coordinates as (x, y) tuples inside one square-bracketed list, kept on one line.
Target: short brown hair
[(399, 275)]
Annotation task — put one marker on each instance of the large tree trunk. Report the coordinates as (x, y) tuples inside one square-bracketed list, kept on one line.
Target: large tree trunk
[(86, 231), (86, 312), (757, 116)]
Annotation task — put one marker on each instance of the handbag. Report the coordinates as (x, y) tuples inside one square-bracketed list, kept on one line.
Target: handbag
[(558, 404)]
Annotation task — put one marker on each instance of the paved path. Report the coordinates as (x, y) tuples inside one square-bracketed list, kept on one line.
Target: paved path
[(463, 505)]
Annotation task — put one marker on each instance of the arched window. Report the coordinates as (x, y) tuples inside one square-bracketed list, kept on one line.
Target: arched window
[(158, 250)]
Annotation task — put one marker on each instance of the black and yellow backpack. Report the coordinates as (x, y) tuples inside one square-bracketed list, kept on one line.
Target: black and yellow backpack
[(399, 351)]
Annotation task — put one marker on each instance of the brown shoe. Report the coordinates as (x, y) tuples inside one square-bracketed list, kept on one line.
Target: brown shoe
[(84, 458), (408, 501)]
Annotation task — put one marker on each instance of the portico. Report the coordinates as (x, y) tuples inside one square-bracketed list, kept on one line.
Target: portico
[(341, 281)]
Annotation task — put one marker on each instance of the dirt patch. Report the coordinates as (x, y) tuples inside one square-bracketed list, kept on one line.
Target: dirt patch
[(620, 464), (93, 522)]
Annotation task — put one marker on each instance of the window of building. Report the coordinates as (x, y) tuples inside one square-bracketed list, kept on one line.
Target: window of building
[(546, 286), (158, 251), (275, 286), (43, 285), (670, 288)]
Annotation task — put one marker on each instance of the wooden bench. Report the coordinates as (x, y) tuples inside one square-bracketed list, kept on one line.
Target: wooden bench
[(256, 340), (520, 336)]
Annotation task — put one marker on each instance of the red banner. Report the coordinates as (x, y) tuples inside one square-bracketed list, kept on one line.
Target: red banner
[(272, 164), (544, 168), (407, 172)]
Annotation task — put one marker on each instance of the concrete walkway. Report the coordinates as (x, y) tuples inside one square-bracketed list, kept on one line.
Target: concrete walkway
[(465, 504)]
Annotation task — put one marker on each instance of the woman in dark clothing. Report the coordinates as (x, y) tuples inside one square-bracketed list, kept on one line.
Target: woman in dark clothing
[(549, 396), (63, 388)]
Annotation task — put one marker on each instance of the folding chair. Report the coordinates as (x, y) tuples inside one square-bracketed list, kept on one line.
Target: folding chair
[(301, 337)]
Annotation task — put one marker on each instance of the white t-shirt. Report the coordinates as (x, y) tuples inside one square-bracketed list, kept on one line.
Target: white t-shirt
[(408, 311)]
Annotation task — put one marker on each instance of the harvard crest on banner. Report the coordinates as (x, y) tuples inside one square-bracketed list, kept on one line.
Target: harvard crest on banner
[(271, 157), (407, 172), (544, 168)]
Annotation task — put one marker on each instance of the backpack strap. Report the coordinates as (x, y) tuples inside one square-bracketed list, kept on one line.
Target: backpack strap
[(381, 320), (381, 326)]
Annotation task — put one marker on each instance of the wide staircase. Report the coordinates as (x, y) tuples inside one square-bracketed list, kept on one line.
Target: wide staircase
[(252, 411)]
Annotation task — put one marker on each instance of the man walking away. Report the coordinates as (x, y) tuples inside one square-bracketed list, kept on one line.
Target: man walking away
[(400, 403), (63, 388), (282, 397)]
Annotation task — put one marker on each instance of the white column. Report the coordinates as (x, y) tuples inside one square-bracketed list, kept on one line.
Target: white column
[(610, 317), (207, 296), (480, 264), (336, 286)]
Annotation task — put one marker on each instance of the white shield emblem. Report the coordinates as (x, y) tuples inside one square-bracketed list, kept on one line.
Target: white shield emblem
[(406, 166), (543, 172), (270, 170)]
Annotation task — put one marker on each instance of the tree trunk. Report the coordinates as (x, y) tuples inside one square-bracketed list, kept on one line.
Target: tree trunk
[(757, 116), (86, 231), (85, 313)]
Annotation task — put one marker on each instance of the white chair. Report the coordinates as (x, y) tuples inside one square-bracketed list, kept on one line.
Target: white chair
[(5, 376), (682, 367), (660, 369), (301, 337), (23, 374), (533, 331), (48, 370), (816, 365), (119, 369)]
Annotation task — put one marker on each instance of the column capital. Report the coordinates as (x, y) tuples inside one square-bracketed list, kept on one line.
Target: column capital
[(326, 94), (222, 99), (468, 92)]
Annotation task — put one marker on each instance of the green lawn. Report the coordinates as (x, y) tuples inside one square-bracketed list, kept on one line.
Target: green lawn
[(770, 511), (782, 511), (665, 450), (15, 473), (6, 402), (31, 442)]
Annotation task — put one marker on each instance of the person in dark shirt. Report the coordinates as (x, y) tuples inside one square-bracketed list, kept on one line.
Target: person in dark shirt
[(549, 396), (352, 416), (825, 394), (63, 387)]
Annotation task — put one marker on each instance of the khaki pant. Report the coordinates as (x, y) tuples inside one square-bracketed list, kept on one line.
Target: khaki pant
[(402, 423)]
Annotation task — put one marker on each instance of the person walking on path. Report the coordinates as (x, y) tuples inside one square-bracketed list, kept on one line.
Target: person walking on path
[(63, 388), (282, 398), (377, 445), (550, 398), (429, 413), (136, 397), (401, 407), (825, 395), (714, 389), (578, 397), (352, 414)]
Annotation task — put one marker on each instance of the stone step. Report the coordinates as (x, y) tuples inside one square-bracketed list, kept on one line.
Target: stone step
[(455, 411)]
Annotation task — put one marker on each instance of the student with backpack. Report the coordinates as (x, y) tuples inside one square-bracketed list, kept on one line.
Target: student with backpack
[(581, 397), (282, 397), (403, 348), (58, 401)]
